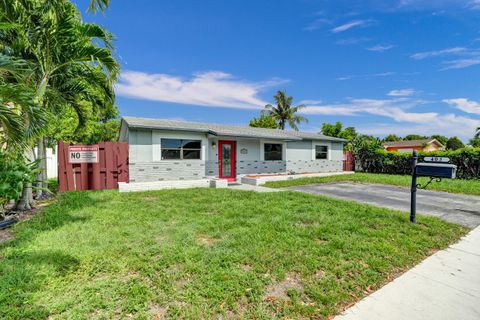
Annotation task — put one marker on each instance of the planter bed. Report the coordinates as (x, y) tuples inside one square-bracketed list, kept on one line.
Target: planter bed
[(260, 179)]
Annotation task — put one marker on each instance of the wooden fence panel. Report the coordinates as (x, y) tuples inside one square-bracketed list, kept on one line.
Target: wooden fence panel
[(348, 161), (111, 168)]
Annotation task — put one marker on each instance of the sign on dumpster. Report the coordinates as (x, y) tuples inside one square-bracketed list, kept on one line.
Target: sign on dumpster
[(83, 154)]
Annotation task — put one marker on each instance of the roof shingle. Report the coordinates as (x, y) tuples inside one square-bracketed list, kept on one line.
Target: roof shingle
[(225, 130)]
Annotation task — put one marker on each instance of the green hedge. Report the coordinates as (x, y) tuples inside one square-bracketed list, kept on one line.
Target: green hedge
[(467, 161)]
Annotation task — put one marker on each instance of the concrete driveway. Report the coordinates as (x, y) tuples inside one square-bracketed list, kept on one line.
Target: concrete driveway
[(456, 208)]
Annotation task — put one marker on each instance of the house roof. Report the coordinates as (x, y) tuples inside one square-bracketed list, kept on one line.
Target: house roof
[(224, 130), (411, 143)]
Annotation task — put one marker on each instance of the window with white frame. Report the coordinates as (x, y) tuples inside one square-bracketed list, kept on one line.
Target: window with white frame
[(272, 151), (321, 152), (180, 149)]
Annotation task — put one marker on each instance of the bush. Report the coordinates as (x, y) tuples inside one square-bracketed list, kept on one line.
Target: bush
[(53, 185), (15, 172), (467, 161)]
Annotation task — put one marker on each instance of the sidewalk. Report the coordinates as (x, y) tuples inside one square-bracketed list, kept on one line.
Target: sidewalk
[(445, 286)]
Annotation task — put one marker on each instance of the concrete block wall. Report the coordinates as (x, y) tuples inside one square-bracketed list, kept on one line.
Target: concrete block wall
[(160, 185), (315, 166), (260, 167), (211, 168), (167, 170), (248, 167)]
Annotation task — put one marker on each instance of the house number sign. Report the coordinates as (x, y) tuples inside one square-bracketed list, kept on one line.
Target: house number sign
[(436, 159), (244, 151)]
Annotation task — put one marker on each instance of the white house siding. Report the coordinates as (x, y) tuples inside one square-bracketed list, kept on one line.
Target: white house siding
[(301, 157), (167, 170), (249, 154), (146, 164)]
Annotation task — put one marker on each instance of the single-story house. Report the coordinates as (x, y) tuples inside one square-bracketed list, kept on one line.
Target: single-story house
[(410, 145), (162, 150)]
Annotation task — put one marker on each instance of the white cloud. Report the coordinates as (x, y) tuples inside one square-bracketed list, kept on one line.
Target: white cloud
[(399, 109), (401, 92), (460, 63), (365, 76), (350, 25), (351, 41), (211, 89), (465, 105), (474, 4), (343, 78), (316, 24), (337, 110), (436, 53), (310, 102), (470, 57), (380, 48), (448, 124)]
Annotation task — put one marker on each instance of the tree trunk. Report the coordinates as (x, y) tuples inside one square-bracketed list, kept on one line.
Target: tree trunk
[(42, 178), (40, 158), (26, 200), (45, 174)]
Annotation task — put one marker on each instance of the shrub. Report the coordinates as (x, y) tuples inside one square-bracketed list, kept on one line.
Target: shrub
[(467, 161), (15, 172)]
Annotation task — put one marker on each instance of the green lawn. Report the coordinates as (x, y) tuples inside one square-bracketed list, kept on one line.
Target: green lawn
[(205, 253), (448, 185)]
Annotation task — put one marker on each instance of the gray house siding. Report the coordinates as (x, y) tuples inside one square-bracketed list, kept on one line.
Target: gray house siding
[(146, 164), (301, 156), (248, 159)]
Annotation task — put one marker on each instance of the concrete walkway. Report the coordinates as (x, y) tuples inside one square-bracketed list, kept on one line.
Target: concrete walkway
[(456, 208), (249, 187), (445, 286)]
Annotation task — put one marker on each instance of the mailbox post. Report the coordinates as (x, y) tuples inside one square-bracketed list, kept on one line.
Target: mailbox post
[(433, 167), (413, 193)]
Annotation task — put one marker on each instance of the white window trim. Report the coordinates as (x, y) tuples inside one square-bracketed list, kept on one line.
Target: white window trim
[(181, 149), (158, 135), (324, 144), (262, 149)]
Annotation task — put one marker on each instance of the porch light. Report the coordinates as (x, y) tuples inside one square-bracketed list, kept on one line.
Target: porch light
[(214, 144)]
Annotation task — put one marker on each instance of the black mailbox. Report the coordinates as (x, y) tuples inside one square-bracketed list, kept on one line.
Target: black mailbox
[(437, 170)]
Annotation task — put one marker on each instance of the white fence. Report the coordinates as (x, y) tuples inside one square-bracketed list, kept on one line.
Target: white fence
[(52, 162)]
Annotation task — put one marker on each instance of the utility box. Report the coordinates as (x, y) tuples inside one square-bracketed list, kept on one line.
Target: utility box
[(436, 170)]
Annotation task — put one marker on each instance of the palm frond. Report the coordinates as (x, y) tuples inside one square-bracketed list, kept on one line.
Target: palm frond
[(98, 5)]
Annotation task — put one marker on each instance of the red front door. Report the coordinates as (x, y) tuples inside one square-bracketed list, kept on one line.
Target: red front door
[(226, 160)]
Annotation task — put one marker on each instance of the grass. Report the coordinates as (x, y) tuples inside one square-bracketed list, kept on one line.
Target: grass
[(206, 253), (53, 185), (447, 185)]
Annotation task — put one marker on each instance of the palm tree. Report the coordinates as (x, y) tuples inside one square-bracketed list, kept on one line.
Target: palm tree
[(98, 5), (70, 62), (20, 118), (284, 112)]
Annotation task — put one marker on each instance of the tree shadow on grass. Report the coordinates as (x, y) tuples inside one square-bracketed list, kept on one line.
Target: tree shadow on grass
[(63, 211), (22, 275), (24, 269)]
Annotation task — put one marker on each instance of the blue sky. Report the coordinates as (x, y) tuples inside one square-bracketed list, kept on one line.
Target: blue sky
[(403, 66)]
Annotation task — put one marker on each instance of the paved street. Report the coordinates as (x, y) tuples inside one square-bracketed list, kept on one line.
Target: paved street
[(461, 209), (445, 286)]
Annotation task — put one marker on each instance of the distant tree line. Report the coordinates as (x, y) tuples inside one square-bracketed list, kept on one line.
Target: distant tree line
[(283, 112)]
